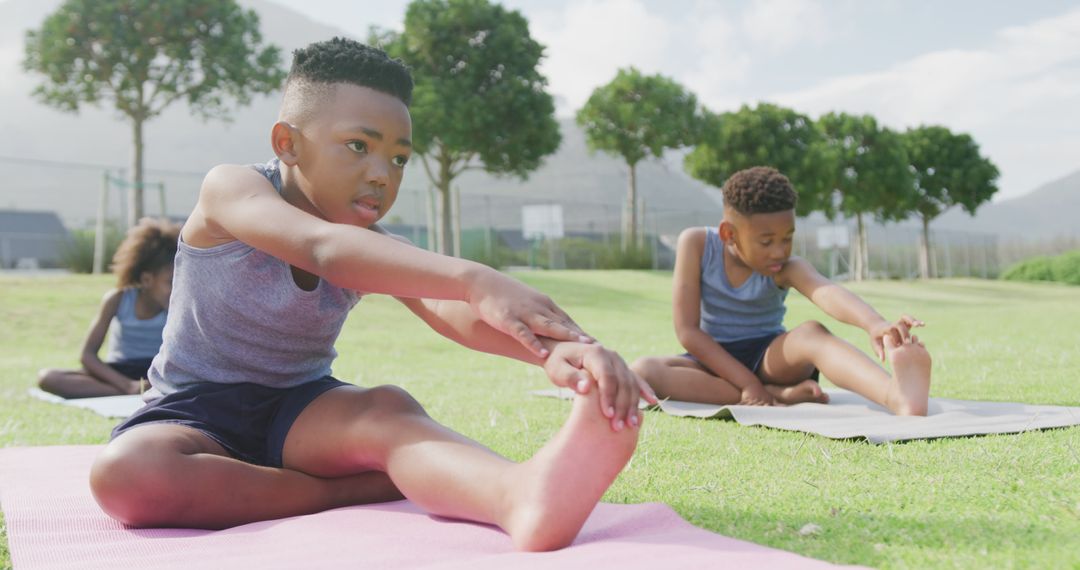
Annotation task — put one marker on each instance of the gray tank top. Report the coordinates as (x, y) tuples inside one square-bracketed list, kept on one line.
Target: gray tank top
[(753, 309), (236, 315), (132, 338)]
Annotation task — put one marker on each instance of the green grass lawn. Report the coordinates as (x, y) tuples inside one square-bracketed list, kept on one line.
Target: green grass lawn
[(999, 501)]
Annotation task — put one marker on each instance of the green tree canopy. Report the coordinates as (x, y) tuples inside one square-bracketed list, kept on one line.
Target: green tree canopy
[(868, 172), (143, 55), (766, 135), (480, 101), (636, 116), (949, 171)]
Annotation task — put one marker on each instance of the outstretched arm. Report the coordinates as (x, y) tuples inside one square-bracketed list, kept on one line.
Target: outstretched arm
[(687, 314), (845, 306), (573, 365), (238, 203)]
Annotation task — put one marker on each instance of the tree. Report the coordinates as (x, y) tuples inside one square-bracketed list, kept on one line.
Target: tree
[(949, 171), (869, 174), (635, 116), (768, 135), (479, 100), (144, 55)]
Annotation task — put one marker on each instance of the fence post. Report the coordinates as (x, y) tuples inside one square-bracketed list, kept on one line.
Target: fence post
[(487, 234), (99, 226), (161, 196), (416, 222), (948, 260), (432, 231)]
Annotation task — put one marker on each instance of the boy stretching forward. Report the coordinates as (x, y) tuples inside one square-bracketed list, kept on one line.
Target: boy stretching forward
[(730, 286), (248, 424)]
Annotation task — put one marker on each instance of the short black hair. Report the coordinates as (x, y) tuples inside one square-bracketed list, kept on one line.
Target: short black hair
[(759, 190), (340, 60)]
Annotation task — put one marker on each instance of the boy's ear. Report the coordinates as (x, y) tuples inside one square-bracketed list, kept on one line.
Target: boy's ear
[(727, 231), (283, 138)]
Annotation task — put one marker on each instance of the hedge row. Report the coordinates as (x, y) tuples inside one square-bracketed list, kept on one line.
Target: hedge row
[(1064, 268)]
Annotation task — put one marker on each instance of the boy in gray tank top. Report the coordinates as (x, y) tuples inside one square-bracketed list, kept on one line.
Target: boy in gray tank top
[(730, 286), (247, 424)]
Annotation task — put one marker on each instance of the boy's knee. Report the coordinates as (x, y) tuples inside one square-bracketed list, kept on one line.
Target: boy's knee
[(645, 366), (394, 400), (46, 380), (812, 329), (135, 489)]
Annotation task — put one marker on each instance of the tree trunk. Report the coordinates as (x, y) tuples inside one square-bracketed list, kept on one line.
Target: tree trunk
[(860, 248), (456, 198), (629, 236), (924, 250), (135, 191), (446, 227)]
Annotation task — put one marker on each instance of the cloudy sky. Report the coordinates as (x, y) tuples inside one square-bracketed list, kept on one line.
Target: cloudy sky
[(1006, 72)]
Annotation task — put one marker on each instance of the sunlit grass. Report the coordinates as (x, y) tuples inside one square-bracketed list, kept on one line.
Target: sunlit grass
[(999, 501)]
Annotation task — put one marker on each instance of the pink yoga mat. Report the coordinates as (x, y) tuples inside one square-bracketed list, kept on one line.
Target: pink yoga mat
[(53, 522)]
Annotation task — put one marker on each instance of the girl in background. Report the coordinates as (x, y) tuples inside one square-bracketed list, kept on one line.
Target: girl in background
[(136, 311)]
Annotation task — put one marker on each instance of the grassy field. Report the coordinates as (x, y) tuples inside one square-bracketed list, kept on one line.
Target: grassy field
[(1008, 501)]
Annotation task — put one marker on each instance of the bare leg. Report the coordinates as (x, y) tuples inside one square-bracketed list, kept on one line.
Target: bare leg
[(793, 354), (542, 503), (683, 379), (74, 384), (164, 475), (336, 454)]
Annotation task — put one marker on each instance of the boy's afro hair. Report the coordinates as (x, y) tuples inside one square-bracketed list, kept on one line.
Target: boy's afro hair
[(149, 246), (341, 60), (759, 190)]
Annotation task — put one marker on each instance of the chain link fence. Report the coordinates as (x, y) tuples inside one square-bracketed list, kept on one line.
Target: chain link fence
[(490, 224), (490, 227)]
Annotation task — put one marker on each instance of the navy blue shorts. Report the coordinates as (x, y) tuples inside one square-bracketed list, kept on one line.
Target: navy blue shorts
[(249, 420), (749, 352), (136, 368)]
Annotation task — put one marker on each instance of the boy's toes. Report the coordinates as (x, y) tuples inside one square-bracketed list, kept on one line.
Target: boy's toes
[(820, 394)]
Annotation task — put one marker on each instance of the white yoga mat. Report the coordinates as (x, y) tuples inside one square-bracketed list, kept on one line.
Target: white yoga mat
[(849, 415), (108, 406)]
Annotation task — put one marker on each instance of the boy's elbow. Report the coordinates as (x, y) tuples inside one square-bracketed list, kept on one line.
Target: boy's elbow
[(86, 359), (686, 335)]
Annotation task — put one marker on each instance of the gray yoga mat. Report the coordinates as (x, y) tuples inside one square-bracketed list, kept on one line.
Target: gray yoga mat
[(108, 406), (849, 415)]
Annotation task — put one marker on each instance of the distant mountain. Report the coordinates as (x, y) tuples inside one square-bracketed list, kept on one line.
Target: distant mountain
[(1051, 210), (179, 150), (593, 189)]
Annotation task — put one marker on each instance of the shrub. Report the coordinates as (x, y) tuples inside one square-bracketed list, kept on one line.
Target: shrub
[(580, 253), (78, 253), (1066, 267), (500, 256)]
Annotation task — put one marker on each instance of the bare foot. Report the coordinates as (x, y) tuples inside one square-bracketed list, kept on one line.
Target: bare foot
[(909, 389), (554, 492), (805, 391)]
